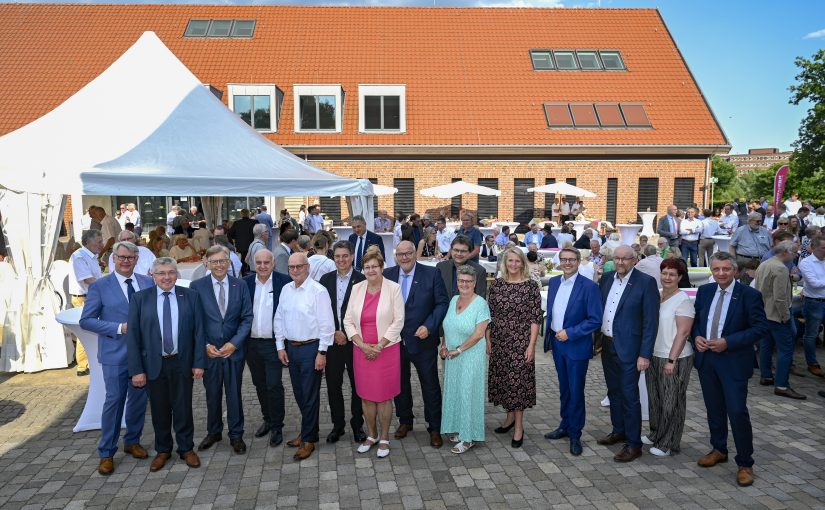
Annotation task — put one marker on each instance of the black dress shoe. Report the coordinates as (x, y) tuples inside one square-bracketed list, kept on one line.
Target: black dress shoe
[(359, 436), (504, 430), (208, 441), (238, 446), (575, 447), (766, 381), (789, 393), (556, 434), (262, 430), (516, 443), (276, 437), (334, 436), (821, 393), (83, 373)]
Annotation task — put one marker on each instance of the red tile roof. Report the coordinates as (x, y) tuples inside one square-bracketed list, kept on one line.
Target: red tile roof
[(468, 73)]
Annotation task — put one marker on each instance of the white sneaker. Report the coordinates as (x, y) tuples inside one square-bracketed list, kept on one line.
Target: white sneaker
[(606, 402), (383, 452), (660, 453), (646, 440)]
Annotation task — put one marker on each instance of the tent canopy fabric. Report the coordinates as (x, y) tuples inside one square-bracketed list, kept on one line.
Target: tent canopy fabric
[(456, 188), (562, 188), (148, 125)]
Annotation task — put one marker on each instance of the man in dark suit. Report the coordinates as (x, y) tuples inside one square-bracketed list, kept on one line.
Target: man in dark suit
[(361, 239), (165, 352), (226, 312), (460, 250), (631, 318), (261, 353), (425, 306), (669, 226), (583, 242), (105, 312), (287, 246), (242, 236), (339, 355), (574, 313), (730, 317), (549, 240)]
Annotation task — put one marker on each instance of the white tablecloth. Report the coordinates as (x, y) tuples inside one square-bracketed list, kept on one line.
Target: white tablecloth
[(389, 249), (343, 232), (187, 269)]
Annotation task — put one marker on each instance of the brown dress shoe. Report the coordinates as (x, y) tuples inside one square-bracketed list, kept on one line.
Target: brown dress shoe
[(402, 431), (789, 393), (745, 476), (816, 370), (628, 454), (136, 451), (107, 466), (191, 458), (159, 461), (295, 443), (304, 451), (797, 372), (435, 440), (712, 458), (612, 439)]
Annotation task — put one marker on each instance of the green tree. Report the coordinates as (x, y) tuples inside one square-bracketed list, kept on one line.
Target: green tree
[(759, 182), (729, 187), (808, 161)]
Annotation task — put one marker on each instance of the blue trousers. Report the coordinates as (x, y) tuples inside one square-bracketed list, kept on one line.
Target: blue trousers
[(572, 375), (266, 370), (780, 337), (306, 386), (426, 364), (814, 312), (224, 375), (118, 389), (691, 249), (727, 399), (623, 389)]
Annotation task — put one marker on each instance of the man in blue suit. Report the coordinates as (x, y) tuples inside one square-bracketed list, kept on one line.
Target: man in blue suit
[(729, 318), (261, 352), (264, 218), (165, 352), (574, 313), (426, 302), (361, 239), (631, 318), (226, 312), (105, 312)]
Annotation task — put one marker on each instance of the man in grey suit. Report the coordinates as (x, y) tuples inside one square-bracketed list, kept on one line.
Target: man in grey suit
[(669, 226), (460, 250), (288, 245)]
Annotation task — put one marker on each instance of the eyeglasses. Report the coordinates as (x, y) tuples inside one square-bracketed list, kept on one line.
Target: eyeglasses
[(568, 261), (374, 267), (460, 251), (218, 262), (125, 258), (782, 223), (623, 259), (296, 267), (404, 254), (465, 281)]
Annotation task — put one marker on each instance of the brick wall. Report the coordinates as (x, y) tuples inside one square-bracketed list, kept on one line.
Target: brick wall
[(590, 175)]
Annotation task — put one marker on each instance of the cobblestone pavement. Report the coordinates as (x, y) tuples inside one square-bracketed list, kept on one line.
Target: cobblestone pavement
[(44, 465)]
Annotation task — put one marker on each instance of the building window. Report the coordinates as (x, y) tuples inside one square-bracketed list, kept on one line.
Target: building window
[(542, 60), (318, 108), (455, 203), (257, 105), (612, 199), (570, 60), (648, 198), (594, 116), (589, 60), (549, 200), (570, 199), (558, 115), (488, 205), (635, 115), (612, 60), (565, 60), (609, 115), (404, 200), (523, 202), (242, 28), (382, 108), (232, 206), (374, 180), (584, 115), (683, 192), (331, 208)]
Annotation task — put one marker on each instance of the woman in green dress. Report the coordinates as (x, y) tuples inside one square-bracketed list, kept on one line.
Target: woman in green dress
[(465, 364)]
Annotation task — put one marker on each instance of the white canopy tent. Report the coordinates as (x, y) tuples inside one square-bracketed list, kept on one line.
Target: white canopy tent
[(456, 188), (146, 126), (562, 188)]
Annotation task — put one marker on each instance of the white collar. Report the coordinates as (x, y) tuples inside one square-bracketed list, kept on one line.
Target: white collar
[(215, 280)]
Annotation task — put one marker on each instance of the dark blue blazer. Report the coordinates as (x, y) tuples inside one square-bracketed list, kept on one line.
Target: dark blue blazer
[(426, 305), (582, 317), (371, 239), (278, 282), (637, 317), (549, 241), (235, 326), (106, 308), (745, 322), (143, 338)]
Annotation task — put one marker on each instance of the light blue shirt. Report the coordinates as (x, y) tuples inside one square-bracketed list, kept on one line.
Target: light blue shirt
[(173, 301), (406, 282), (530, 237)]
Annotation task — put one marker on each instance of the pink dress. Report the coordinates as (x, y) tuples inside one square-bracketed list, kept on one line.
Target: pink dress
[(380, 379)]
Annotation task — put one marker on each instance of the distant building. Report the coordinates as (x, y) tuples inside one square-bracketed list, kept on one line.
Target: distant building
[(757, 158)]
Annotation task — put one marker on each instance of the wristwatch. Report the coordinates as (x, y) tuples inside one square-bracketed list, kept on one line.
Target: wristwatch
[(458, 349), (322, 353), (671, 361)]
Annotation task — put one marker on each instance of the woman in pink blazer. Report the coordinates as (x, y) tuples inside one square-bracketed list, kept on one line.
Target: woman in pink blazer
[(375, 316)]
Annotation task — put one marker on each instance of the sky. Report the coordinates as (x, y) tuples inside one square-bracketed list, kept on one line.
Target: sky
[(740, 52)]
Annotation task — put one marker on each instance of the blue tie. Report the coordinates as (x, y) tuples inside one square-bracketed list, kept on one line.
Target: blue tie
[(405, 288), (129, 289), (168, 344)]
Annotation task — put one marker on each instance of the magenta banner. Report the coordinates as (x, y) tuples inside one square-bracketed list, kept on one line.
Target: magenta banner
[(779, 185)]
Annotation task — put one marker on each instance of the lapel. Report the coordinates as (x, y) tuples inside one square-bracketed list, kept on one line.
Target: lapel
[(552, 290), (631, 281), (115, 287), (153, 312), (414, 283), (182, 303), (574, 295)]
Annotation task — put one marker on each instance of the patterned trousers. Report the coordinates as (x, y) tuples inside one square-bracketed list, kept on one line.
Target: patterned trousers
[(668, 401)]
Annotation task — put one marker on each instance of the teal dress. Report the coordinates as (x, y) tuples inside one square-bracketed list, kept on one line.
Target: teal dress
[(465, 378)]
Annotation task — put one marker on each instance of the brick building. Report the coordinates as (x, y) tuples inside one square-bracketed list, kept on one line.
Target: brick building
[(410, 97), (757, 158)]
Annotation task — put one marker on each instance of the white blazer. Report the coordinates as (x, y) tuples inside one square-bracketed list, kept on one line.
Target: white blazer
[(389, 316)]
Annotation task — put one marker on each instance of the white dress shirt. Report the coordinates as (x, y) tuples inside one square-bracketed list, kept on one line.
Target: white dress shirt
[(341, 284), (725, 306), (813, 273), (710, 228), (793, 206), (613, 298), (173, 302), (84, 265), (729, 221), (444, 238), (563, 238), (121, 280), (690, 229), (304, 313), (217, 290), (561, 301), (262, 309), (319, 265), (109, 228)]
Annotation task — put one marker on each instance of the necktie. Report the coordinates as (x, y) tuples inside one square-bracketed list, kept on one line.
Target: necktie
[(222, 299), (168, 344), (359, 253), (405, 289), (130, 290), (717, 314)]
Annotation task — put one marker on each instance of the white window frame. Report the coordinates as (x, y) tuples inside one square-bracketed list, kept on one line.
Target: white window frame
[(318, 90), (235, 89), (382, 90)]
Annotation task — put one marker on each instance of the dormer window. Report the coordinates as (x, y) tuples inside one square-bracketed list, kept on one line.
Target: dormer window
[(318, 108), (382, 108)]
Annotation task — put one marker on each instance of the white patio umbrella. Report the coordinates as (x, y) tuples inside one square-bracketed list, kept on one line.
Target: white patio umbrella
[(458, 188), (562, 188), (380, 190)]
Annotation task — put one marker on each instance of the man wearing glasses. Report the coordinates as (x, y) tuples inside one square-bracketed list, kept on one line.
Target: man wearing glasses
[(460, 251), (425, 305), (226, 312), (105, 313), (304, 330), (574, 313)]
